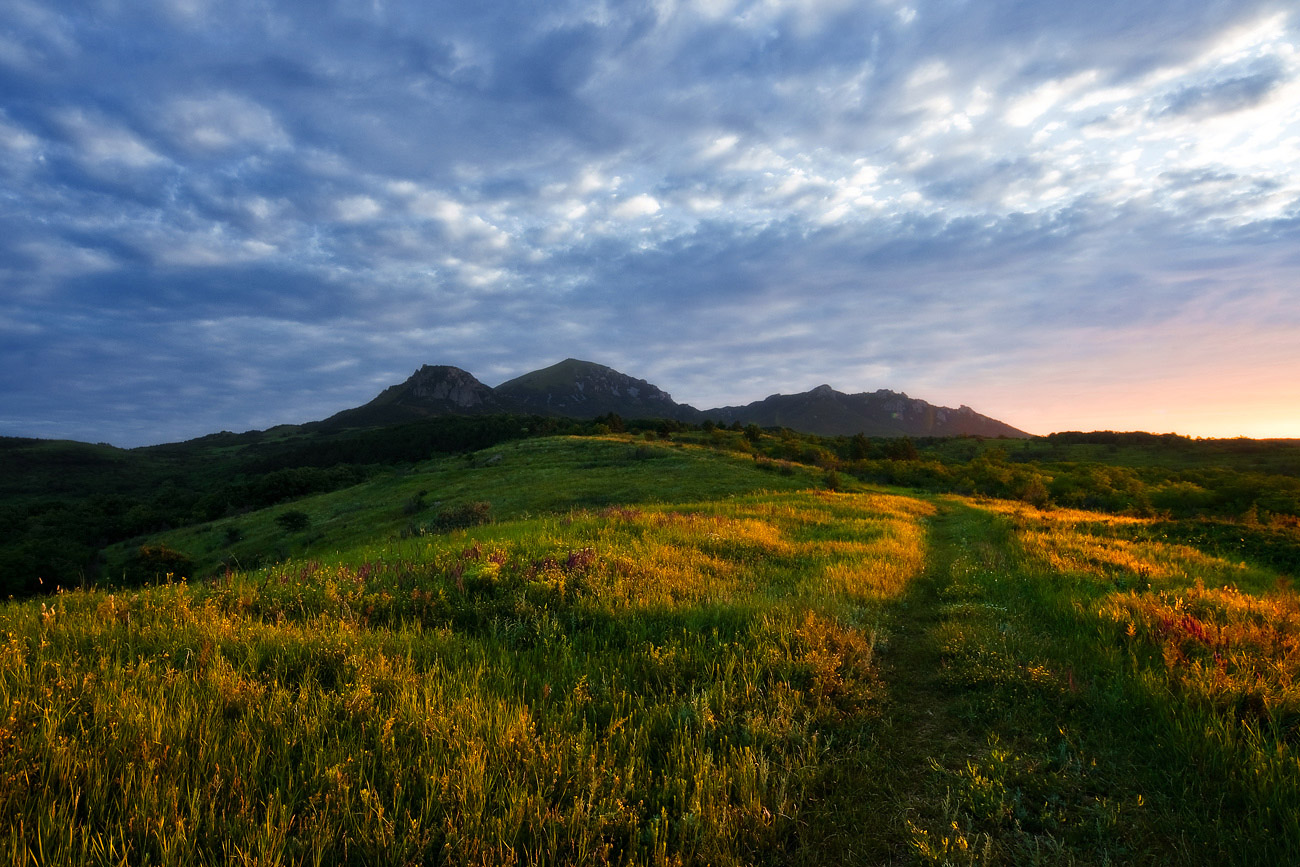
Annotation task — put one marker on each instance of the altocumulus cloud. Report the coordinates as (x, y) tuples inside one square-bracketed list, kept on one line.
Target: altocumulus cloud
[(230, 215)]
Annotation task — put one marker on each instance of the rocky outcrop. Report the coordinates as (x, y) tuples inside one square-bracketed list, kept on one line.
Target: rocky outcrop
[(433, 390), (434, 384)]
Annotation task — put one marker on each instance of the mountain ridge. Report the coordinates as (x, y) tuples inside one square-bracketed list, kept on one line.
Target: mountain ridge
[(585, 390)]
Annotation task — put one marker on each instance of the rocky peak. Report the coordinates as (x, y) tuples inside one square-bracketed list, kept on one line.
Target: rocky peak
[(447, 384)]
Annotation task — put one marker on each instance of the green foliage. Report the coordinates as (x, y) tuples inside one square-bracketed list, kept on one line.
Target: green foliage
[(151, 564), (293, 521), (458, 517), (612, 422), (901, 449), (414, 504), (859, 448)]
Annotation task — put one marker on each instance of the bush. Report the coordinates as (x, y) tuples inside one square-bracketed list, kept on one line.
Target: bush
[(456, 517), (293, 521), (901, 449), (156, 563)]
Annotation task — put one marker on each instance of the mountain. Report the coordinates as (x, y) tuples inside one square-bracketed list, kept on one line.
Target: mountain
[(880, 413), (433, 390), (582, 389), (585, 390)]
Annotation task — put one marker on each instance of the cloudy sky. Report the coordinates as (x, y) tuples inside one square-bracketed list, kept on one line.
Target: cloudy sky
[(228, 214)]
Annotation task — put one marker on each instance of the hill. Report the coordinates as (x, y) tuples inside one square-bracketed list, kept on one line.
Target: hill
[(62, 504), (656, 652)]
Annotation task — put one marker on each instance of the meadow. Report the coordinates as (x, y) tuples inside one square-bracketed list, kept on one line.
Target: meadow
[(632, 650)]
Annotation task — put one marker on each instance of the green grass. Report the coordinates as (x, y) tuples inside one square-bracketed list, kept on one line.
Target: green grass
[(614, 686), (518, 479), (1136, 700), (661, 654)]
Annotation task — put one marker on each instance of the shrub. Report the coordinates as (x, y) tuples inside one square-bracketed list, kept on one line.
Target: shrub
[(293, 521), (156, 563), (468, 515), (901, 449)]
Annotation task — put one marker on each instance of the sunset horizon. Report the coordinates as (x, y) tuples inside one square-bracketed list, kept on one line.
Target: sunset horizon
[(232, 216)]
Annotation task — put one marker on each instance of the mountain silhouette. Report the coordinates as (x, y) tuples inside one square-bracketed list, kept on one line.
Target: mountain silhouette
[(585, 390)]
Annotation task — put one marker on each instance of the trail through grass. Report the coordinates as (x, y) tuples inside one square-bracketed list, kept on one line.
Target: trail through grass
[(1034, 722), (704, 672)]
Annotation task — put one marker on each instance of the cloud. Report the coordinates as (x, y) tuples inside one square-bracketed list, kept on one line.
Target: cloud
[(221, 122), (355, 209), (640, 205), (1222, 97), (102, 143), (212, 209)]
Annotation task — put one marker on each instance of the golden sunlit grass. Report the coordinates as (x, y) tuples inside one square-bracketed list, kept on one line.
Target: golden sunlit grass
[(1138, 705), (651, 685), (796, 676), (1235, 651)]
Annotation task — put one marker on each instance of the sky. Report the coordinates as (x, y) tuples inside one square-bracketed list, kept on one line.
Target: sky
[(236, 214)]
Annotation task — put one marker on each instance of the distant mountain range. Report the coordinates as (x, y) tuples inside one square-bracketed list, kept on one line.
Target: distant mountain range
[(585, 390)]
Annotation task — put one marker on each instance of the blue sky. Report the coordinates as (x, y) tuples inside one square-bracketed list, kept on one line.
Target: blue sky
[(229, 215)]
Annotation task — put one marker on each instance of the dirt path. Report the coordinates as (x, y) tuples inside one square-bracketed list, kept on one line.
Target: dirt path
[(893, 784), (920, 726)]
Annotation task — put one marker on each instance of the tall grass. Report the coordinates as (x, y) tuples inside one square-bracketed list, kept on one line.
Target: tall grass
[(629, 675), (1136, 698), (659, 685)]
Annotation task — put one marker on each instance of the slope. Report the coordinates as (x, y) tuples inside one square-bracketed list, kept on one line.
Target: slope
[(665, 664)]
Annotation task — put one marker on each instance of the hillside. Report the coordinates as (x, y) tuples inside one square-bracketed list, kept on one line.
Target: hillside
[(650, 652), (64, 504)]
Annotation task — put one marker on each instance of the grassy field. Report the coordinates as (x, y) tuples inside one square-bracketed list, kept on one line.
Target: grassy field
[(659, 653)]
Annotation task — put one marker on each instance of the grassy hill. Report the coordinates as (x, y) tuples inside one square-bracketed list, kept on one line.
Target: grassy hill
[(515, 479), (650, 652)]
